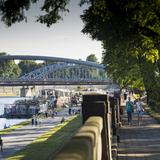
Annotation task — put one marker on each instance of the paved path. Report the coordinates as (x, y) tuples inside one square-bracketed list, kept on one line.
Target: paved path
[(18, 139), (139, 142)]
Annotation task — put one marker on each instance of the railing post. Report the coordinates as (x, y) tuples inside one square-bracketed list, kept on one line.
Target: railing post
[(114, 119), (94, 98), (117, 103), (97, 105)]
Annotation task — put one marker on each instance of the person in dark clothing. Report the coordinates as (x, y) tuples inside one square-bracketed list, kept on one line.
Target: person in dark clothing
[(1, 143), (36, 121), (32, 121), (125, 96), (46, 114), (69, 111), (62, 120)]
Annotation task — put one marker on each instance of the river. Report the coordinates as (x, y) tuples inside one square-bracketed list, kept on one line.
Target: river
[(8, 101)]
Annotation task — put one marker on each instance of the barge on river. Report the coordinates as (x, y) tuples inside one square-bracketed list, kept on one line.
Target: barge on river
[(22, 109)]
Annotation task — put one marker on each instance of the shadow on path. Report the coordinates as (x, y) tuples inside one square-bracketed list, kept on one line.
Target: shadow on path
[(139, 142)]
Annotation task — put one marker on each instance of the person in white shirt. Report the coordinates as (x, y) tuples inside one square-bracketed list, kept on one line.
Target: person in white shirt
[(139, 110)]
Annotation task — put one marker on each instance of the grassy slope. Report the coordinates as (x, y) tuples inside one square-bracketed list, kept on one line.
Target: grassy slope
[(46, 146)]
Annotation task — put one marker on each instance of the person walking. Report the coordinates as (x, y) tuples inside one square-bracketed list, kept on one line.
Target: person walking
[(32, 120), (62, 120), (129, 109), (36, 121), (139, 110), (69, 111), (1, 143)]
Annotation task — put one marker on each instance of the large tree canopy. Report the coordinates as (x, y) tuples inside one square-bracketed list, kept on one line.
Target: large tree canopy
[(12, 11), (130, 32), (128, 29)]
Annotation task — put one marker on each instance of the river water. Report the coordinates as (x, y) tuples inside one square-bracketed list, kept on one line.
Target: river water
[(8, 101)]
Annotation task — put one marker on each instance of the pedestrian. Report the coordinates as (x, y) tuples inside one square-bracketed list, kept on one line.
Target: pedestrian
[(139, 110), (129, 109), (32, 120), (69, 111), (53, 114), (46, 114), (62, 120), (55, 102), (1, 143), (40, 121), (5, 126), (125, 96), (36, 121), (56, 113)]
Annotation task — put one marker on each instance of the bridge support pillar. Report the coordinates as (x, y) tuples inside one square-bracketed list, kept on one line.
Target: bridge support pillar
[(26, 92)]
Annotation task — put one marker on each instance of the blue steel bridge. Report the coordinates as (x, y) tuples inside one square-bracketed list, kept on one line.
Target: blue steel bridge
[(63, 71)]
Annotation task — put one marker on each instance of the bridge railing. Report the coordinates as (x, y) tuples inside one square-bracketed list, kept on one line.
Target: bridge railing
[(3, 79), (31, 82), (100, 117)]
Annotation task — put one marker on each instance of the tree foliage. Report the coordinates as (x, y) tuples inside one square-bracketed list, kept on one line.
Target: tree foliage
[(92, 58), (130, 32), (27, 66), (8, 69), (13, 11)]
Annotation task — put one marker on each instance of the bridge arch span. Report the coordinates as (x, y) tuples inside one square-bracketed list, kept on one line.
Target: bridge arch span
[(55, 59), (64, 71)]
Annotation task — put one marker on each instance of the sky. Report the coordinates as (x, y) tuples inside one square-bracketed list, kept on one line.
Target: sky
[(63, 39)]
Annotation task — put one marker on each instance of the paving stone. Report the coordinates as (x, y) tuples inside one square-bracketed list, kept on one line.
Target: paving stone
[(139, 142)]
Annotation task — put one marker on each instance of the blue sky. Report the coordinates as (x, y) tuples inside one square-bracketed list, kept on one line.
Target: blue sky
[(63, 39)]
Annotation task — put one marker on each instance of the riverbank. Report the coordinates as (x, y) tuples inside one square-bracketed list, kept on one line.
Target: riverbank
[(8, 95), (48, 144), (45, 132)]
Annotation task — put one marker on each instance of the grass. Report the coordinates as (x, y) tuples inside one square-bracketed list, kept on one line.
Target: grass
[(46, 146), (14, 127)]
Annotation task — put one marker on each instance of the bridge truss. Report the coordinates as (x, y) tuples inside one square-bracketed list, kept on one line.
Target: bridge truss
[(63, 71)]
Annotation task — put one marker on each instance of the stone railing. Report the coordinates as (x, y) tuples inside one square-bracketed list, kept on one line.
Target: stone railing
[(86, 143), (97, 138)]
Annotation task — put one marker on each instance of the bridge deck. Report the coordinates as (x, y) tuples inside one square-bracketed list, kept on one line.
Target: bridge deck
[(139, 142)]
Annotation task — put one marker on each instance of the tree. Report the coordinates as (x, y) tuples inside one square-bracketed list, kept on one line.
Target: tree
[(130, 32), (27, 66), (93, 72), (92, 58), (13, 11), (8, 69)]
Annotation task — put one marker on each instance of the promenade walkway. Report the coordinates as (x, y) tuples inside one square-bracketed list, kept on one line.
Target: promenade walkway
[(139, 142), (18, 139)]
